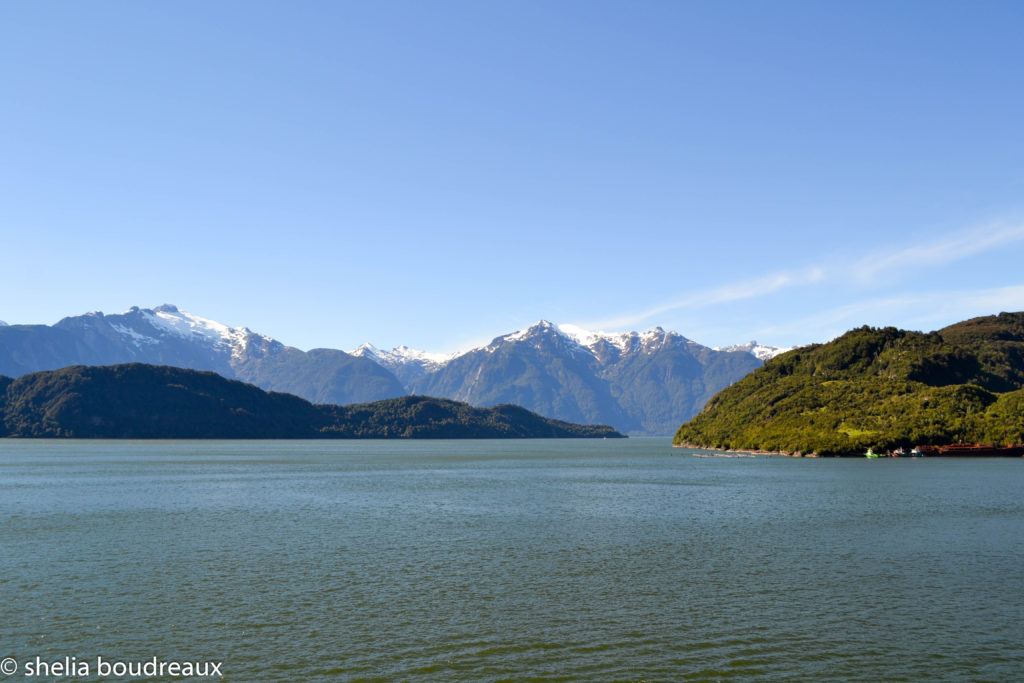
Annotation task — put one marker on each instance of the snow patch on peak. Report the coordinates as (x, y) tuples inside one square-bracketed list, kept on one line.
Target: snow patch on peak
[(539, 330), (759, 351), (405, 352), (587, 338), (623, 341), (136, 337), (185, 325), (406, 364), (365, 350), (538, 327), (171, 319), (402, 355), (655, 335)]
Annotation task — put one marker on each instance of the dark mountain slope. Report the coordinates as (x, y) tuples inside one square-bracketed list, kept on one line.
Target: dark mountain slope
[(425, 417), (145, 401), (320, 375), (30, 348), (997, 344), (661, 386), (148, 401)]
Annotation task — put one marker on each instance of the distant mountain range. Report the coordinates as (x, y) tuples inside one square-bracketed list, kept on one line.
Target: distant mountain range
[(641, 383)]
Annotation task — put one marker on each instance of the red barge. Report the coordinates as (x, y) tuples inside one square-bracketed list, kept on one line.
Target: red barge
[(974, 450)]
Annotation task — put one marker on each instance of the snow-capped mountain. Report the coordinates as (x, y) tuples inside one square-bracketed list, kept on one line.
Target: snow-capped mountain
[(641, 382), (167, 318), (759, 351), (166, 335), (407, 364), (603, 346), (150, 327)]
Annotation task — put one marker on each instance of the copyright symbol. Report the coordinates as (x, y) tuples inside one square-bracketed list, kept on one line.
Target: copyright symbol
[(8, 666)]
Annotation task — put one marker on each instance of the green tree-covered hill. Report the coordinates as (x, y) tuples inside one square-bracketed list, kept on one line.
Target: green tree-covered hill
[(878, 388), (148, 401)]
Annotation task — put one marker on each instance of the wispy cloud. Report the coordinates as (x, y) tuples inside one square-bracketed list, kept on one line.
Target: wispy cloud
[(727, 293), (904, 260), (938, 309), (924, 311), (823, 325), (941, 251)]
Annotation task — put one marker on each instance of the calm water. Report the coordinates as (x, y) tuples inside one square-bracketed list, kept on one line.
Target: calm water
[(509, 560)]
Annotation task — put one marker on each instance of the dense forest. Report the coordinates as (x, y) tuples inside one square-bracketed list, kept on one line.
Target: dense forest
[(878, 388), (148, 401)]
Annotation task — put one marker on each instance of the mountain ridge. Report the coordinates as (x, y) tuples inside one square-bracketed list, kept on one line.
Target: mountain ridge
[(640, 382), (592, 340), (165, 335)]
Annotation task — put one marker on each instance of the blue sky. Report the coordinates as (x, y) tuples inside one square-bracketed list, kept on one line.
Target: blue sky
[(438, 173)]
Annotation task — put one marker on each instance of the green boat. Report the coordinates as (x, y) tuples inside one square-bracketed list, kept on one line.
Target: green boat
[(871, 454)]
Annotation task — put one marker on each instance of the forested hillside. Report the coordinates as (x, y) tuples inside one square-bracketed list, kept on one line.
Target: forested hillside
[(879, 388)]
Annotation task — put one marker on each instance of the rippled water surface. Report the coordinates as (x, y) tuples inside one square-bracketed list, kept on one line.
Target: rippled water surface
[(509, 560)]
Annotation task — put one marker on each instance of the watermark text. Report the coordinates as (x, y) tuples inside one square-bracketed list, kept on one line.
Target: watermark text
[(73, 667)]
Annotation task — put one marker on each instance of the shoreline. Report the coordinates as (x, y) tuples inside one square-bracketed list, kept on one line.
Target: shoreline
[(748, 451), (1012, 452)]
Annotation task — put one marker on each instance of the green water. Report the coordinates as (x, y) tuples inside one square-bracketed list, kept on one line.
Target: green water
[(508, 560)]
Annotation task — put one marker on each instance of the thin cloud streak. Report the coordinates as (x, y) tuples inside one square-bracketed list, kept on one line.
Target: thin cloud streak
[(949, 249), (735, 291), (942, 308), (942, 251)]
